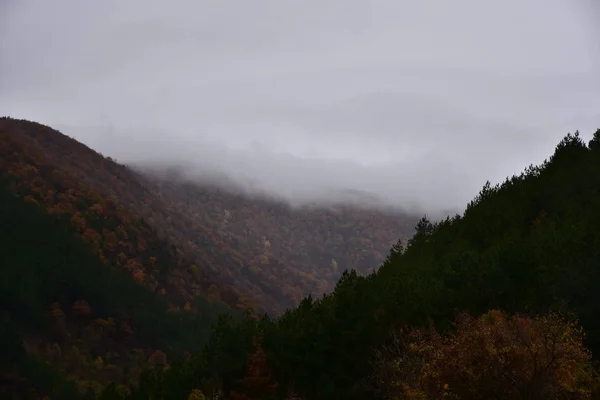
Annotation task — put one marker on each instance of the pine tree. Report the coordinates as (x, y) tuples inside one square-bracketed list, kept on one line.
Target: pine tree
[(258, 382)]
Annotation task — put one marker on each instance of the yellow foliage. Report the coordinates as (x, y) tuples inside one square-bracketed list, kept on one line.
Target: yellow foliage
[(196, 394), (334, 265), (56, 312)]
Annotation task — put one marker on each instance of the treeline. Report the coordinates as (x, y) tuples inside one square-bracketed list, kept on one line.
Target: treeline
[(529, 246)]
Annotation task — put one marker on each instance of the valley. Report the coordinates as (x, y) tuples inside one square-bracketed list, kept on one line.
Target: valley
[(132, 282)]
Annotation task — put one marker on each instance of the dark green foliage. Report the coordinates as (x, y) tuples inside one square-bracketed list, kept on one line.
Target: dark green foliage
[(19, 372), (214, 369), (42, 262), (595, 142), (530, 244)]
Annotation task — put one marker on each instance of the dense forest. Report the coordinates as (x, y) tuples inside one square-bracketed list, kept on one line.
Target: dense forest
[(497, 303), (529, 246), (86, 318)]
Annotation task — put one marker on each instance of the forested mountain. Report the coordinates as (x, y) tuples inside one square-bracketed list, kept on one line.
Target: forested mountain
[(228, 247), (301, 250), (103, 266), (499, 302), (71, 181), (62, 306), (529, 246)]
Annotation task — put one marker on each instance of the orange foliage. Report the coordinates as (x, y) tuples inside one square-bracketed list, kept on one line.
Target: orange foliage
[(258, 382), (31, 199), (138, 275), (81, 307), (494, 356), (158, 359)]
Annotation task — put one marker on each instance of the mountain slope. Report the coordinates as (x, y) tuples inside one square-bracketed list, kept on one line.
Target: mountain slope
[(243, 251), (529, 245), (104, 267), (69, 180), (62, 306), (304, 249)]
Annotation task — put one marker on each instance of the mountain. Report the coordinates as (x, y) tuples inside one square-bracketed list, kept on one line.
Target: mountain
[(523, 259), (131, 283), (285, 252), (101, 198), (230, 246), (107, 267), (66, 314)]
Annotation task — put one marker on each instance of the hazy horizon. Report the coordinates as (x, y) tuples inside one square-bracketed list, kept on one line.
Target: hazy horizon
[(419, 103)]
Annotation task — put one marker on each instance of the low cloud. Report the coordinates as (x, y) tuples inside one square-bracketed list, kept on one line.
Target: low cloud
[(415, 103)]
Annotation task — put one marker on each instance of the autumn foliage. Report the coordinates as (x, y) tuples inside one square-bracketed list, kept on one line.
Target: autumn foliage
[(258, 382), (248, 251), (495, 356), (101, 199)]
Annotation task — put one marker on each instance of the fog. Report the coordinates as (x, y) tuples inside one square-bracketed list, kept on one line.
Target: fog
[(416, 102)]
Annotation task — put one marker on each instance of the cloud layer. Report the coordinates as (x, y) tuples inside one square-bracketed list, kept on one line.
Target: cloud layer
[(418, 102)]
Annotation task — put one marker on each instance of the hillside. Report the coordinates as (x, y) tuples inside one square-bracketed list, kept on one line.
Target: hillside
[(228, 247), (105, 269), (88, 291), (304, 249), (528, 246), (99, 297), (71, 181), (89, 320)]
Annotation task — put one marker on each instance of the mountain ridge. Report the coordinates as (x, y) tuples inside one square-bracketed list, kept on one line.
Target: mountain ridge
[(198, 219)]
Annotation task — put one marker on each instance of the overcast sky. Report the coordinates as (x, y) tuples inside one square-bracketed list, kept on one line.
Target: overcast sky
[(414, 100)]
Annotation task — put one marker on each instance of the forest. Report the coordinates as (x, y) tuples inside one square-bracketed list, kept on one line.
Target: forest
[(497, 303)]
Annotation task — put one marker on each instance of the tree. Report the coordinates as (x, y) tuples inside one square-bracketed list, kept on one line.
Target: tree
[(196, 394), (594, 144), (258, 383), (396, 251), (494, 356), (423, 229), (158, 359)]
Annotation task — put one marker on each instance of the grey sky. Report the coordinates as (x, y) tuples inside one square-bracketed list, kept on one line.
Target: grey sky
[(417, 101)]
